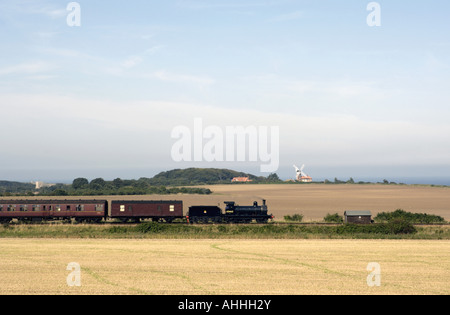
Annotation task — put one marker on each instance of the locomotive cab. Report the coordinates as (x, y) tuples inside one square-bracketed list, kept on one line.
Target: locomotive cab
[(229, 207)]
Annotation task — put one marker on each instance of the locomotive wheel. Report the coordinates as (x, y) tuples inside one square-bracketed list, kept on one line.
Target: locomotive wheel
[(193, 220)]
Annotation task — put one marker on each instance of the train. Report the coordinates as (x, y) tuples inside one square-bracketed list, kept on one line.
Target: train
[(97, 211), (233, 213)]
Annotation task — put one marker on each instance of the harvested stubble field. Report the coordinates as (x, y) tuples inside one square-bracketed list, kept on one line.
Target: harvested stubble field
[(228, 267)]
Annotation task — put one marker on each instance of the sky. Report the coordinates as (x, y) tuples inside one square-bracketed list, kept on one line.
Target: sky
[(102, 99)]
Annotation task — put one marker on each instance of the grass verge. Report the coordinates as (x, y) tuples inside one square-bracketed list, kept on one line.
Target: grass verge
[(251, 231)]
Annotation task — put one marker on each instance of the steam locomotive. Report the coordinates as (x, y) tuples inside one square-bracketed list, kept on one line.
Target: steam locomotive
[(233, 213), (96, 211)]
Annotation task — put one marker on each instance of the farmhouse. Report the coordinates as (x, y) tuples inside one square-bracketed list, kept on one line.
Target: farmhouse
[(358, 217), (241, 180)]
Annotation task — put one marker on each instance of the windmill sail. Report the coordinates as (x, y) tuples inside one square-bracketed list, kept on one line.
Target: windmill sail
[(301, 176)]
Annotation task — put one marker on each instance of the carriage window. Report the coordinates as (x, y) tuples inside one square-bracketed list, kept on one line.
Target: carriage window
[(36, 208), (67, 208), (98, 207), (23, 208), (44, 208), (12, 208), (172, 208), (1, 208), (58, 208), (122, 208), (80, 208)]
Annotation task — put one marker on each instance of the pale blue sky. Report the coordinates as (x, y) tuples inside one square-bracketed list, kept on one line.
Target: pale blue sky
[(103, 98)]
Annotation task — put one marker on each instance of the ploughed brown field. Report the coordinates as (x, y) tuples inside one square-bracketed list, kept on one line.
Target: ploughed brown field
[(315, 201)]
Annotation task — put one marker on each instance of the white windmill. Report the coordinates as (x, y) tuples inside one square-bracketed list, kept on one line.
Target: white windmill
[(302, 176)]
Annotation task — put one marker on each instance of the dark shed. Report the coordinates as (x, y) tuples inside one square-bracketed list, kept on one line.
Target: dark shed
[(358, 217)]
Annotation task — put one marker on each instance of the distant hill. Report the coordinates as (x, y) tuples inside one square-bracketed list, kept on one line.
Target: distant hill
[(13, 187), (141, 186), (198, 176)]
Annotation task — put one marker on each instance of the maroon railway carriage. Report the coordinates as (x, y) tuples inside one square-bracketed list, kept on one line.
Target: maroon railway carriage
[(166, 210), (38, 210)]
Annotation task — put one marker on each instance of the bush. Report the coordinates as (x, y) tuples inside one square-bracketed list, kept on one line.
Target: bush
[(394, 227), (150, 227), (400, 226), (333, 218), (60, 192), (164, 229), (415, 218), (295, 217), (118, 230)]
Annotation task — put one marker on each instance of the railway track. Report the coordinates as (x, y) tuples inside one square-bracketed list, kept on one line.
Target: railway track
[(112, 222)]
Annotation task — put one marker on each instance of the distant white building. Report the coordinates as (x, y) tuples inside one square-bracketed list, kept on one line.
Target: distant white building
[(40, 185), (306, 179)]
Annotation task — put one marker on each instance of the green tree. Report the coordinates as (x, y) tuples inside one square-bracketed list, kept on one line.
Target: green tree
[(333, 218), (79, 183), (97, 184), (60, 192), (118, 183), (295, 217), (273, 177)]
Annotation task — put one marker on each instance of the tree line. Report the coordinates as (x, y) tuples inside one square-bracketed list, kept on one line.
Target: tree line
[(98, 186)]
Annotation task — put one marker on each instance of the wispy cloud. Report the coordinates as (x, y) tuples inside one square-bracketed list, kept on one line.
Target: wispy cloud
[(164, 75), (325, 87), (326, 137), (287, 17), (200, 5), (132, 62), (27, 68), (32, 7), (53, 13)]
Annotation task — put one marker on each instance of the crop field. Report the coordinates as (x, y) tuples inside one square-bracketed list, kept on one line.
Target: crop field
[(212, 267), (315, 201), (217, 260)]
